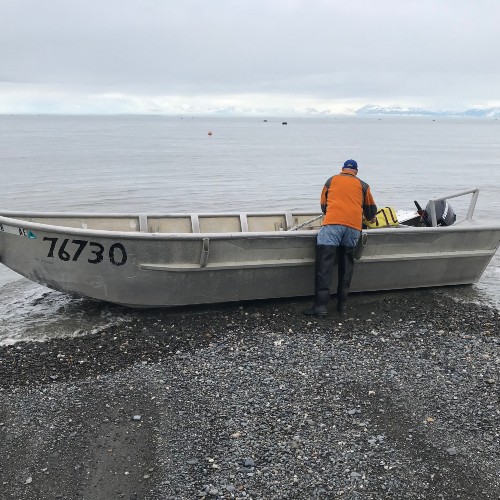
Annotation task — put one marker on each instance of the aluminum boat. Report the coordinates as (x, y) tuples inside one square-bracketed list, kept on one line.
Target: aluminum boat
[(161, 260)]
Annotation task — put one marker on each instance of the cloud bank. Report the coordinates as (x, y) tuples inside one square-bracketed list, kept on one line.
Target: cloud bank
[(259, 57)]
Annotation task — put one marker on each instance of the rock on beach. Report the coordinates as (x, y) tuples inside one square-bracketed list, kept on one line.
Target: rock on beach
[(257, 401)]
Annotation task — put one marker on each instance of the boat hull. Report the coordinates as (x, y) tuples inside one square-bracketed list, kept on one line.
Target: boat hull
[(163, 270)]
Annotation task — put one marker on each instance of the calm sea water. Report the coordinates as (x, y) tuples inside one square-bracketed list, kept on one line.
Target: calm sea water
[(172, 164)]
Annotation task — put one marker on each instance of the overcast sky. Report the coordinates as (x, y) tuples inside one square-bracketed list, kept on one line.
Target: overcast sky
[(250, 56)]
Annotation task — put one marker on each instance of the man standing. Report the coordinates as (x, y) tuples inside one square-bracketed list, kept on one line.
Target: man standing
[(344, 201)]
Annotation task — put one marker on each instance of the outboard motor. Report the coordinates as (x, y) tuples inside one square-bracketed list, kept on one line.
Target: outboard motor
[(445, 215)]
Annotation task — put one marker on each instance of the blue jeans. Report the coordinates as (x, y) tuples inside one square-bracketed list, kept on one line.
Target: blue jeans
[(337, 235)]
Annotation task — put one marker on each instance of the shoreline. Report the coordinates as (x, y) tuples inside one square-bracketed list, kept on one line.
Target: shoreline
[(258, 401)]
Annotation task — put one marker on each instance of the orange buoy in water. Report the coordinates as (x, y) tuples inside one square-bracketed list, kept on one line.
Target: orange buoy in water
[(209, 132)]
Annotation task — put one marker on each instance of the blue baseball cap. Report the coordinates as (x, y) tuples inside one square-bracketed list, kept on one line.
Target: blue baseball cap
[(351, 164)]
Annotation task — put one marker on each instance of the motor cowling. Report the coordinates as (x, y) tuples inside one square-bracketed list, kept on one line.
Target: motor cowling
[(445, 215)]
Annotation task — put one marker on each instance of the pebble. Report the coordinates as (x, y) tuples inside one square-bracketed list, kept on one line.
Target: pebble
[(274, 406)]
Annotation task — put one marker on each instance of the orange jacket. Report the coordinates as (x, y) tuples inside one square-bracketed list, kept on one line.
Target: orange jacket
[(345, 199)]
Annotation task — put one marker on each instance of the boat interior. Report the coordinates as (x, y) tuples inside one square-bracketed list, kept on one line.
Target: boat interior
[(208, 223), (180, 223), (189, 223)]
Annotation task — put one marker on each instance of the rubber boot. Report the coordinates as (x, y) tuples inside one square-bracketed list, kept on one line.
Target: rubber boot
[(325, 259), (346, 269)]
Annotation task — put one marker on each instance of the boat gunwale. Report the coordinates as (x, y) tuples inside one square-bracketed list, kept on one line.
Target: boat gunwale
[(119, 215), (463, 226)]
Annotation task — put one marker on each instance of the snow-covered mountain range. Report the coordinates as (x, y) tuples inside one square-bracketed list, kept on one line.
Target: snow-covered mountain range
[(373, 109)]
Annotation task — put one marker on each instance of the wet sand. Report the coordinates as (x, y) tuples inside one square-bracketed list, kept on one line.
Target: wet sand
[(400, 400)]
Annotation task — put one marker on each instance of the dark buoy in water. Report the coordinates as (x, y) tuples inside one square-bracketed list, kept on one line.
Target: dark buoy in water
[(284, 123), (209, 132)]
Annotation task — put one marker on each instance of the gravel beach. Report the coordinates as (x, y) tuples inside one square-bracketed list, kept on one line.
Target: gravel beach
[(400, 400)]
